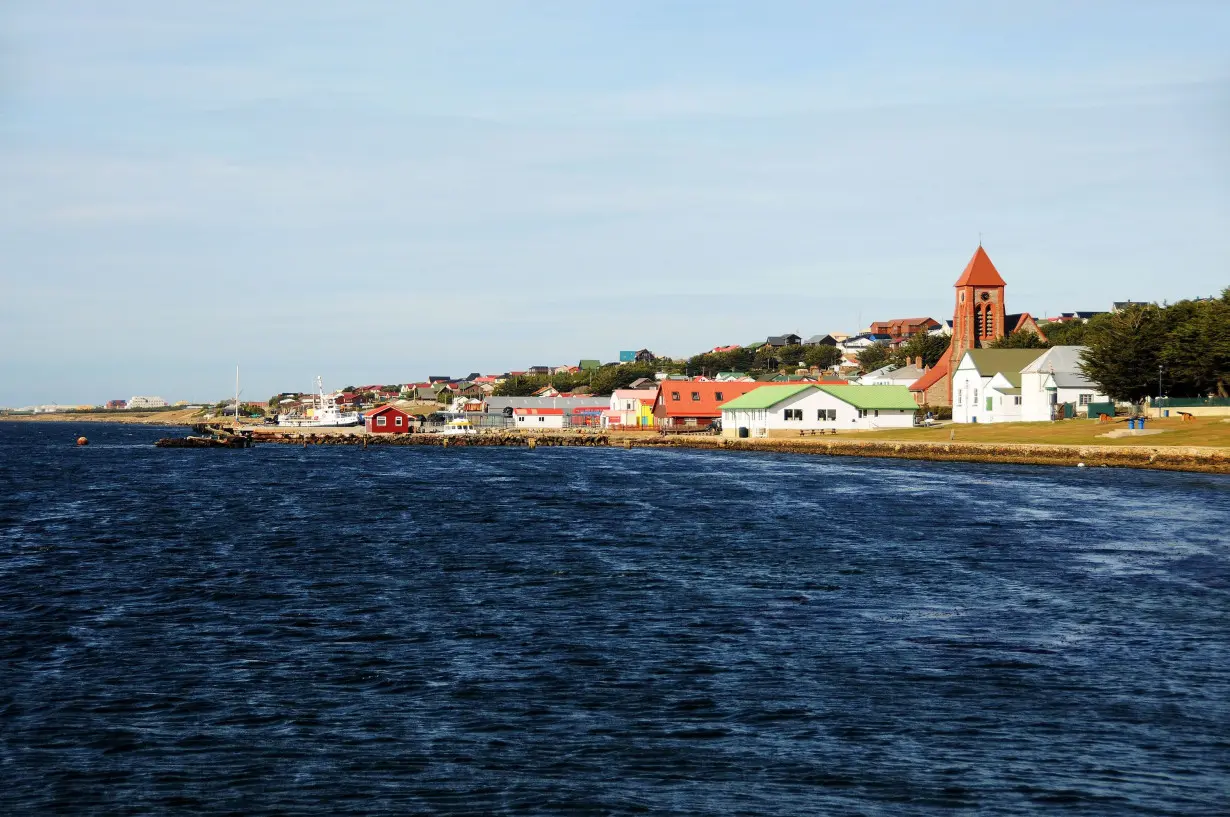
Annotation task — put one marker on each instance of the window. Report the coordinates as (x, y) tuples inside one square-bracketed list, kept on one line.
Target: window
[(1085, 399), (717, 395), (542, 419), (877, 412), (793, 414), (862, 412), (695, 397), (674, 395), (380, 421), (960, 397), (826, 415), (397, 422), (1016, 401)]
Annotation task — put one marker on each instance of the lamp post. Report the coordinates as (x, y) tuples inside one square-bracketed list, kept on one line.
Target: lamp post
[(1161, 367)]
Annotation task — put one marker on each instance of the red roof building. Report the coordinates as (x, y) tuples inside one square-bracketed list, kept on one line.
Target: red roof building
[(695, 402), (388, 419)]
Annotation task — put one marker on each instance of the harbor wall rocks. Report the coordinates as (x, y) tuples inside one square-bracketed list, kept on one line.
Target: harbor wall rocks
[(1170, 458)]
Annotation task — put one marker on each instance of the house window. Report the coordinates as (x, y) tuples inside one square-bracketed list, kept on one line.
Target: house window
[(696, 397), (974, 402), (380, 421), (542, 419), (1085, 399), (862, 413), (826, 415), (717, 395), (793, 414), (1016, 401), (877, 412), (397, 422), (690, 421), (674, 395)]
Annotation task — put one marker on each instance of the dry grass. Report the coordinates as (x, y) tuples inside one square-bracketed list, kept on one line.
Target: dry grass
[(1201, 431)]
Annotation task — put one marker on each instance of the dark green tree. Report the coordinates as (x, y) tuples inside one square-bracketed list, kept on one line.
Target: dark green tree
[(875, 356), (930, 348), (1124, 351), (1071, 333), (822, 356), (609, 378), (1020, 339), (1196, 352)]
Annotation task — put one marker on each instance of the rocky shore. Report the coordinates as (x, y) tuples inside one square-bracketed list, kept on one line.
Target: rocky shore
[(1167, 458)]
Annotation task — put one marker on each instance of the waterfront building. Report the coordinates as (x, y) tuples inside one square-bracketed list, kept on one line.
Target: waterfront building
[(1054, 379), (695, 402), (630, 408), (788, 410), (388, 419), (142, 402), (986, 385), (538, 419)]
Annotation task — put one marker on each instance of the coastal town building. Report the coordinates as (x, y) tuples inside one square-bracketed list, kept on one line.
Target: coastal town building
[(116, 404), (1022, 385), (980, 318), (1054, 379), (144, 402), (695, 402), (788, 410), (902, 329), (538, 419), (630, 408), (387, 419), (893, 375), (987, 385)]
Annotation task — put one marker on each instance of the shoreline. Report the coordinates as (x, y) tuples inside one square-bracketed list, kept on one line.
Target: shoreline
[(1195, 459)]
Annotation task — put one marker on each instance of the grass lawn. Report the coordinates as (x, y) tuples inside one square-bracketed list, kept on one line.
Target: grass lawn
[(1203, 431)]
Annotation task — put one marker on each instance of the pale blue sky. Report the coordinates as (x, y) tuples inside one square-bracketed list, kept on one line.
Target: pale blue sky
[(378, 191)]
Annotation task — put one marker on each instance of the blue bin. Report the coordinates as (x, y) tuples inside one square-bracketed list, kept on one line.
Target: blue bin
[(1166, 413), (1131, 422), (1142, 422)]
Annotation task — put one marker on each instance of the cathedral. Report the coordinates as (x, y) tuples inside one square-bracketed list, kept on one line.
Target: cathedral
[(979, 319)]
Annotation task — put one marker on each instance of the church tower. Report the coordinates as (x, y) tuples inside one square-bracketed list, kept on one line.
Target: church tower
[(978, 320), (979, 315)]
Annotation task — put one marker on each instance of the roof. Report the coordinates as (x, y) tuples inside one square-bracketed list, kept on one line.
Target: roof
[(1058, 359), (980, 272), (707, 405), (873, 397), (534, 412), (588, 363), (383, 409), (1014, 390), (990, 361), (496, 404), (935, 375), (635, 394), (766, 396)]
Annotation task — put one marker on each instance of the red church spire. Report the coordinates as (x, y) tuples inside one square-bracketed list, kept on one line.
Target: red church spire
[(980, 272)]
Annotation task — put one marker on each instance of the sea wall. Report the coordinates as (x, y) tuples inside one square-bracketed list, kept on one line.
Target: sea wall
[(1170, 458)]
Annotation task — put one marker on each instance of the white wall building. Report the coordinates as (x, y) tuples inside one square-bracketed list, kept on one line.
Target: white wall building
[(538, 419), (782, 411), (984, 382), (892, 375), (146, 402), (1056, 378), (1011, 385)]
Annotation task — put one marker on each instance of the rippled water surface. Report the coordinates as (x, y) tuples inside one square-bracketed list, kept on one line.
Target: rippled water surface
[(488, 631)]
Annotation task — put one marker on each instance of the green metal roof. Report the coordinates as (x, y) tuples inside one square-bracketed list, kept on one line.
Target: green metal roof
[(872, 397), (1017, 390), (587, 364), (1008, 361), (767, 396)]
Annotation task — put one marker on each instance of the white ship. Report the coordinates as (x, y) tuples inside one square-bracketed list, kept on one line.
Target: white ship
[(323, 413)]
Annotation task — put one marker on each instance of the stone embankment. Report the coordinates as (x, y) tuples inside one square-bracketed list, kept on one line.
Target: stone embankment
[(1169, 458)]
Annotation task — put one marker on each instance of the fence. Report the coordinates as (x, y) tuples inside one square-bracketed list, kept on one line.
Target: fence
[(1188, 402)]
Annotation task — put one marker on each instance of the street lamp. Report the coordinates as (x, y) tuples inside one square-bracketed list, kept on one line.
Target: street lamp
[(1161, 367)]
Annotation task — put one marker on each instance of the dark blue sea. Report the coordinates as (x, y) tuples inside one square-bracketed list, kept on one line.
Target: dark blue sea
[(599, 631)]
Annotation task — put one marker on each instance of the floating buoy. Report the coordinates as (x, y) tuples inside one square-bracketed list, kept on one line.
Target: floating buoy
[(82, 441), (1080, 465)]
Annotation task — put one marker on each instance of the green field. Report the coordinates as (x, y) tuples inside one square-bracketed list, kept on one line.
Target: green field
[(1201, 431)]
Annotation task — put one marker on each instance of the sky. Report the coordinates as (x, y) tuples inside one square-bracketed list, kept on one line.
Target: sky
[(375, 192)]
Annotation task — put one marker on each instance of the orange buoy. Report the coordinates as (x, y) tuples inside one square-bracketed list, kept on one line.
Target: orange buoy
[(82, 441)]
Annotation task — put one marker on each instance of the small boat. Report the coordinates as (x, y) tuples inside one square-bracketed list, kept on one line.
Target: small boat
[(227, 441), (459, 426), (325, 413)]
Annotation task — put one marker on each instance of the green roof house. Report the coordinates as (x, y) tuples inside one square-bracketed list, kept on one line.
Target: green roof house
[(794, 409)]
